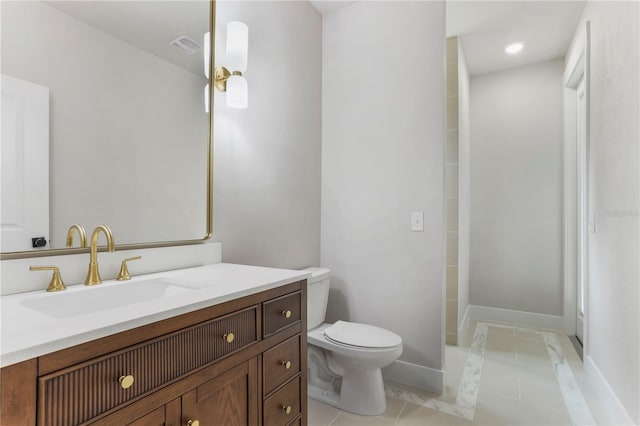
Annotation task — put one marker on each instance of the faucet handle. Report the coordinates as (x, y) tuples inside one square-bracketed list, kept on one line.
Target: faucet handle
[(56, 283), (124, 275)]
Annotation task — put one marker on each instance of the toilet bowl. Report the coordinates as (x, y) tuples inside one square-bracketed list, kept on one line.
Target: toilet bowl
[(345, 358)]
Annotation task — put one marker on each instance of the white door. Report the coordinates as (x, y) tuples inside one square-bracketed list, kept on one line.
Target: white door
[(583, 206), (24, 157)]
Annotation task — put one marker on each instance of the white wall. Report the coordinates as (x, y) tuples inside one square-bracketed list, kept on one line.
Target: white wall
[(516, 189), (464, 185), (15, 276), (120, 117), (613, 321), (383, 92), (267, 157)]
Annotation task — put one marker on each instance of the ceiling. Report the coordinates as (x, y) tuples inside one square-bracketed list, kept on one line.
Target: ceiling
[(326, 6), (485, 28), (148, 25)]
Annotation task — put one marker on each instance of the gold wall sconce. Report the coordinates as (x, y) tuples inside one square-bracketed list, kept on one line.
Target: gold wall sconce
[(230, 79)]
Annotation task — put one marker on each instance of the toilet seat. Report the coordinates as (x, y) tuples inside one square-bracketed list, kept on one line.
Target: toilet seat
[(361, 335)]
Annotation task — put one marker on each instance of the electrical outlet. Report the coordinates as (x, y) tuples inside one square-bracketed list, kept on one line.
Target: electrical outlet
[(417, 221)]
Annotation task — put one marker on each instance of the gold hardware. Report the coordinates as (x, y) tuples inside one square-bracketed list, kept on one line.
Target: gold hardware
[(286, 409), (221, 76), (193, 423), (126, 381), (93, 276), (81, 233), (124, 275), (286, 364), (56, 283), (286, 314), (229, 337)]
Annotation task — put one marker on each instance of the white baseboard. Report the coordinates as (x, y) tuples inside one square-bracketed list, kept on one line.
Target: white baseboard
[(606, 395), (418, 376), (531, 319)]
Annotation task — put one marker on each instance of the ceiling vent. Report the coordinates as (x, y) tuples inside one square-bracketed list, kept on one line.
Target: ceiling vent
[(185, 43)]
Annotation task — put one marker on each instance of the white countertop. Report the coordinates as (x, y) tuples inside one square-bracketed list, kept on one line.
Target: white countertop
[(28, 333)]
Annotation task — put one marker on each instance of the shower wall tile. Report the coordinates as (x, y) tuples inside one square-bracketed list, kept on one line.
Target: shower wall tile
[(452, 214), (452, 248), (452, 147), (452, 282), (451, 181), (452, 113)]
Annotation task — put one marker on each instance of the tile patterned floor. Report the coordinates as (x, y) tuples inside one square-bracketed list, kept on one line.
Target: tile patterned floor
[(502, 374)]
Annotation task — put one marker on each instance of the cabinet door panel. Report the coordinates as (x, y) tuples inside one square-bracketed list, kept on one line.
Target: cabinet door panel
[(154, 418), (229, 399)]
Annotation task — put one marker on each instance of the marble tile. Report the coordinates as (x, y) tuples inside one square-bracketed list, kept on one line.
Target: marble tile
[(574, 399), (541, 387), (429, 402), (468, 390)]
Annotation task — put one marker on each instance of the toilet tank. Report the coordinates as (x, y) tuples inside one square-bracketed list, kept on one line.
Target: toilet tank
[(317, 296)]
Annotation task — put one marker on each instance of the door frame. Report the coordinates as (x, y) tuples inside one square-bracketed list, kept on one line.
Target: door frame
[(576, 70)]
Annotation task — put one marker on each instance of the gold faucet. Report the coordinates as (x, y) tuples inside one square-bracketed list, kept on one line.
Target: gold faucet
[(81, 233), (93, 276)]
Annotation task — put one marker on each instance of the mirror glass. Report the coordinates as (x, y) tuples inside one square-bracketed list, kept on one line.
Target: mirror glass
[(104, 121)]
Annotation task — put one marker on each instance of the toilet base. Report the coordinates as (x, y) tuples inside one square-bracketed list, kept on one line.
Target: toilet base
[(348, 377), (361, 393)]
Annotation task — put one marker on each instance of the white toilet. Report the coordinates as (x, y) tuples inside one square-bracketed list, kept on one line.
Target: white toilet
[(345, 358)]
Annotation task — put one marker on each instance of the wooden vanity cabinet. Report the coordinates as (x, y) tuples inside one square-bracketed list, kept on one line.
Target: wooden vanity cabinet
[(242, 362)]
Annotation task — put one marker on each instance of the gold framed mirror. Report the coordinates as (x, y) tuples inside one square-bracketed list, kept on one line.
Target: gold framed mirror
[(121, 97)]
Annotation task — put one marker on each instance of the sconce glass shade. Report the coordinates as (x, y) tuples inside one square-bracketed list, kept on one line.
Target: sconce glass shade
[(237, 46), (207, 54), (206, 98), (237, 92)]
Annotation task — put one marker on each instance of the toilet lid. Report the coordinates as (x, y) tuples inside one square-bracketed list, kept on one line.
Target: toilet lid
[(363, 335)]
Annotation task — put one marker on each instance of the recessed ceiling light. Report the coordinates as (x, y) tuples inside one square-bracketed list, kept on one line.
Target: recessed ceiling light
[(514, 48)]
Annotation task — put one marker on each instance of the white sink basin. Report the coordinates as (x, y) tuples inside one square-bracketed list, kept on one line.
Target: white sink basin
[(89, 300)]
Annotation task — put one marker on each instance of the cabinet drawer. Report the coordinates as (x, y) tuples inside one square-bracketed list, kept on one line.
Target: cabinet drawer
[(281, 312), (82, 392), (277, 405), (281, 363)]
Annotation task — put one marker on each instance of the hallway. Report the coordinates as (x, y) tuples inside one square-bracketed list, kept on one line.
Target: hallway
[(502, 374)]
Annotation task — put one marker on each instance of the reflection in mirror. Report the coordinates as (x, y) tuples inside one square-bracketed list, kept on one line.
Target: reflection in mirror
[(103, 121)]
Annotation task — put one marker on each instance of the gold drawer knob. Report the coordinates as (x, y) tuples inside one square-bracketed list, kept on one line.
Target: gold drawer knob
[(286, 409), (286, 364), (126, 381), (286, 314), (193, 423), (229, 337)]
